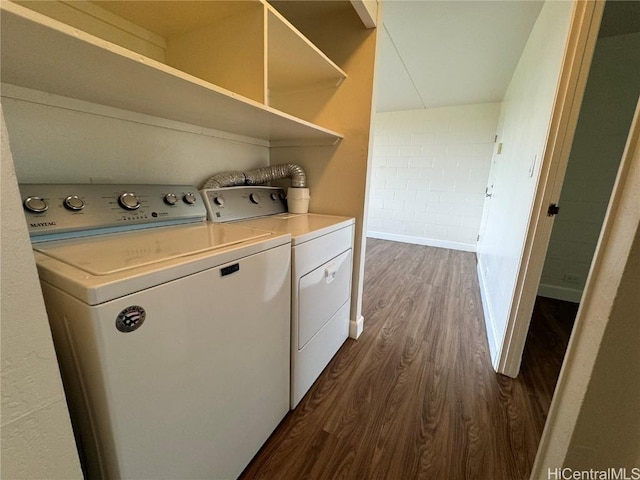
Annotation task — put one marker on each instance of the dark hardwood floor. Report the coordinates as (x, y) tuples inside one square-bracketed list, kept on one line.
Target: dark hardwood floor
[(416, 397)]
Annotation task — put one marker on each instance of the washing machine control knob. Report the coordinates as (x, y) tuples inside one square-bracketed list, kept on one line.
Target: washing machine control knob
[(170, 199), (189, 198), (219, 201), (255, 198), (129, 201), (36, 204), (74, 203)]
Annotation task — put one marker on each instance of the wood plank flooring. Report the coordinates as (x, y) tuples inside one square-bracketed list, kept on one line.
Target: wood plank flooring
[(416, 397)]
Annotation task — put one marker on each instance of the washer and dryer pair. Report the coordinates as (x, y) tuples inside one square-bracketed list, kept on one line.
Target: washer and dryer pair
[(183, 346), (322, 266)]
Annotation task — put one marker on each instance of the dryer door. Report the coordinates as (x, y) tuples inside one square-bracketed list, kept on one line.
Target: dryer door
[(321, 293)]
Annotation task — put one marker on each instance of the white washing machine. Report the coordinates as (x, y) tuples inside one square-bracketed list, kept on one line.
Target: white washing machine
[(322, 266), (173, 341)]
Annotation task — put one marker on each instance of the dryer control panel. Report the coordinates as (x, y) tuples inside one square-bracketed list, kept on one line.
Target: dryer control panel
[(55, 211), (241, 203)]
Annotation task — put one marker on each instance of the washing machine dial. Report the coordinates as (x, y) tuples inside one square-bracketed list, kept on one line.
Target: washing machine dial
[(170, 199), (73, 203), (129, 201), (36, 204), (189, 198), (219, 201), (274, 197), (255, 198)]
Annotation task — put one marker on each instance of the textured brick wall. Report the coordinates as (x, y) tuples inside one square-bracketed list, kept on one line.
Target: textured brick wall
[(430, 169)]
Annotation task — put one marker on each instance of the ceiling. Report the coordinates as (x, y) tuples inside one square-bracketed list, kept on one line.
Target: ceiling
[(439, 53)]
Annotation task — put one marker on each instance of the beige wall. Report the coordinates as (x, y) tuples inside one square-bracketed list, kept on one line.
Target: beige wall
[(37, 440), (607, 109)]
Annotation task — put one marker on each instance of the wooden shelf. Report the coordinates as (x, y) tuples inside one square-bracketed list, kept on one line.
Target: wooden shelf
[(294, 63), (44, 54)]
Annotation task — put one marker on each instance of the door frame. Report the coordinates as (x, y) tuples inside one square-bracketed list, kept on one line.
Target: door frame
[(583, 34), (604, 282)]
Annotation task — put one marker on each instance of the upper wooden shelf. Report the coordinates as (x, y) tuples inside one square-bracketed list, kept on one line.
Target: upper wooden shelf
[(294, 63), (44, 54)]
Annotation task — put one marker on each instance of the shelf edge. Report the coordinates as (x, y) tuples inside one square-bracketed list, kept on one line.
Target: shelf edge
[(124, 54), (38, 97)]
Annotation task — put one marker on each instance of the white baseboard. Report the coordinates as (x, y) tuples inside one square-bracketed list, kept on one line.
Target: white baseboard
[(488, 318), (431, 242), (560, 293), (356, 327)]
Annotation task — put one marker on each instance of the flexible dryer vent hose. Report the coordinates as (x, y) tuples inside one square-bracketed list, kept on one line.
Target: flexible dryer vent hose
[(259, 176)]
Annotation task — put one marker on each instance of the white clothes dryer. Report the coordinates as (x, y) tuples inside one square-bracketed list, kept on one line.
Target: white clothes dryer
[(322, 266), (173, 341)]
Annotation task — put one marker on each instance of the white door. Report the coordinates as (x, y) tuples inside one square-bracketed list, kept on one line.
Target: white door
[(541, 109)]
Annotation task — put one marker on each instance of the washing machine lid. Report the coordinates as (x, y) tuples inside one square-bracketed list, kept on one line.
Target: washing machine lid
[(302, 227), (108, 254)]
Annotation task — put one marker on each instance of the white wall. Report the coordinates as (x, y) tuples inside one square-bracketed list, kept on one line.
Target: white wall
[(525, 118), (36, 436), (429, 173), (607, 109), (57, 140)]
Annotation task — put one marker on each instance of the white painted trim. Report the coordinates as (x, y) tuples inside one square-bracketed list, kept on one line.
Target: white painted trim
[(560, 293), (51, 100), (356, 327), (488, 317), (431, 242)]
